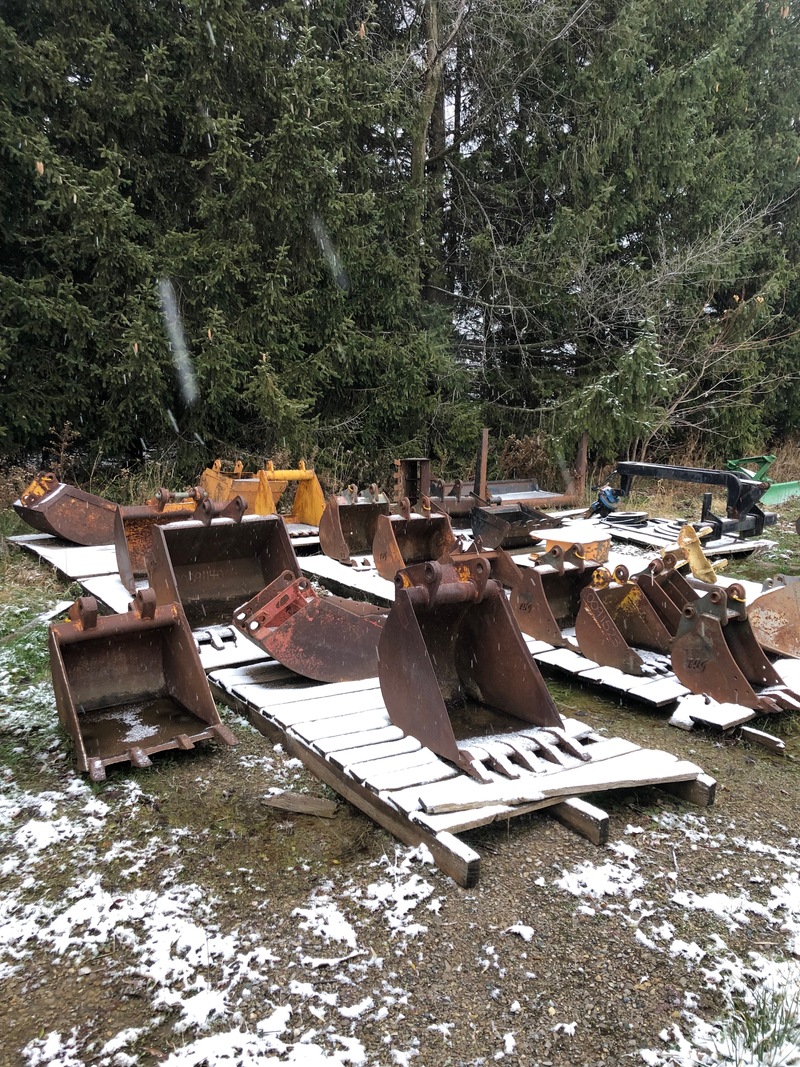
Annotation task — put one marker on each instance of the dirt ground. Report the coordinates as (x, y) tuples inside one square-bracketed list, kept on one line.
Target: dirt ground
[(250, 935)]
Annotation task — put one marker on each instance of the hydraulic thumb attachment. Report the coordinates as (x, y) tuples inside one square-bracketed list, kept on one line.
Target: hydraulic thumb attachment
[(451, 647)]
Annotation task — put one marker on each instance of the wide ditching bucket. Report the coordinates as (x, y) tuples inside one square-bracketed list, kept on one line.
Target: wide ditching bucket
[(775, 616), (264, 488), (615, 619), (130, 685), (405, 539), (65, 511), (328, 638), (452, 659), (213, 569), (348, 529), (133, 527)]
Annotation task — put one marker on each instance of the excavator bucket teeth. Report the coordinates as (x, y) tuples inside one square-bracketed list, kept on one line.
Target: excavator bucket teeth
[(403, 540), (347, 530), (130, 685), (509, 526), (326, 638), (450, 647), (775, 616), (65, 511), (212, 569)]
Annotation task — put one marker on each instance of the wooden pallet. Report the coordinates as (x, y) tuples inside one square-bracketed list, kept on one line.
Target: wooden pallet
[(342, 733)]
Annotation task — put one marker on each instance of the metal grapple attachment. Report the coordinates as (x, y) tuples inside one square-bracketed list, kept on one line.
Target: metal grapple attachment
[(213, 569), (327, 638), (404, 539), (130, 685), (455, 671), (775, 616), (614, 616), (348, 526)]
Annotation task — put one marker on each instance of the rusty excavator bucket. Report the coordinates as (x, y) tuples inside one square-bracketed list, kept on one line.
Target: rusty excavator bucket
[(130, 685), (509, 525), (715, 652), (328, 638), (545, 598), (264, 488), (133, 528), (65, 511), (212, 569), (775, 616), (348, 525), (452, 658), (615, 619), (85, 519), (404, 539)]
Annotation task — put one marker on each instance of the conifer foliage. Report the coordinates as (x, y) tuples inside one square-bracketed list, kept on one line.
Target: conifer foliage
[(369, 227)]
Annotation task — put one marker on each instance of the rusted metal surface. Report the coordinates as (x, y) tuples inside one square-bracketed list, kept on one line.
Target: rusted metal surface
[(213, 569), (348, 529), (128, 686), (615, 615), (450, 641), (64, 510), (133, 528), (775, 616), (413, 480), (404, 539), (714, 652), (329, 638), (263, 489), (546, 598), (509, 526)]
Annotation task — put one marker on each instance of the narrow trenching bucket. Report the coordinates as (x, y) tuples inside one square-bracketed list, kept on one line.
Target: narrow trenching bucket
[(775, 616), (450, 638), (614, 616), (715, 652), (509, 526), (213, 569), (328, 638), (348, 529), (133, 529), (404, 539), (546, 598), (130, 685)]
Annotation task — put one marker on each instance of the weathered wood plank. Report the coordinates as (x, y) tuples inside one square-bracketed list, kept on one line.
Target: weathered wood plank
[(382, 750), (350, 725), (587, 819), (455, 858), (366, 768), (701, 791), (329, 746), (302, 804)]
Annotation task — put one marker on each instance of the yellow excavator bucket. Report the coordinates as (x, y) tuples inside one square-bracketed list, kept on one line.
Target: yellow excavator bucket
[(264, 488)]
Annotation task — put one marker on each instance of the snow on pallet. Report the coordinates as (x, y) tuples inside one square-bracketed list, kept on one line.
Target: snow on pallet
[(343, 734)]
